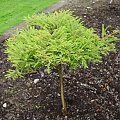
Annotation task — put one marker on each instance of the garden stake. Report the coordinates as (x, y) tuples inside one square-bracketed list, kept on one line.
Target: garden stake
[(64, 106)]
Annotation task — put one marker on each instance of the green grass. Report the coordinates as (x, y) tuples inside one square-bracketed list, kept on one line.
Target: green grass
[(12, 12)]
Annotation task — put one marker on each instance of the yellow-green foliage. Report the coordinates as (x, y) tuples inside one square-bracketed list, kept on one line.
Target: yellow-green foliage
[(61, 39)]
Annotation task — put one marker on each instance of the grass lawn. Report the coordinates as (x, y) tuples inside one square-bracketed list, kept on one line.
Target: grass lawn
[(13, 12)]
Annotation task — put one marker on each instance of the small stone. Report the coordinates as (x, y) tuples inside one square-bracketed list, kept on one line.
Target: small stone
[(18, 115), (88, 7), (92, 101), (111, 1), (1, 62), (66, 117), (42, 74), (77, 110), (78, 82), (36, 80), (108, 88), (5, 105), (58, 94)]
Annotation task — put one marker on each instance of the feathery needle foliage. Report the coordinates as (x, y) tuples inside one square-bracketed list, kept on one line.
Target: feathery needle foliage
[(61, 39)]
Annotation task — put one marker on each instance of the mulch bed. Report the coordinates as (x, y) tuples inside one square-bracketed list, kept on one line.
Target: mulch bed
[(91, 94)]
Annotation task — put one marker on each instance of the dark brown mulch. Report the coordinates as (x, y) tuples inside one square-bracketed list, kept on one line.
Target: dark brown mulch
[(91, 94)]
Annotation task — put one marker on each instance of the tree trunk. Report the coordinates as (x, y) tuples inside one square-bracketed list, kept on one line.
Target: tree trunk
[(64, 106)]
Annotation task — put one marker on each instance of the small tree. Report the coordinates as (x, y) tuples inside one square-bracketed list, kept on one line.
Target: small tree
[(61, 39)]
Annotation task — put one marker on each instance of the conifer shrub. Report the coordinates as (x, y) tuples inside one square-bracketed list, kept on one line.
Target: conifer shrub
[(61, 39)]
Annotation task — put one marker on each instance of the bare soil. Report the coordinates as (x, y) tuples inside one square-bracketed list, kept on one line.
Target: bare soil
[(91, 94)]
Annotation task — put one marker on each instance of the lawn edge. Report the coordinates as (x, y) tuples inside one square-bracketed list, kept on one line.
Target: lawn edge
[(23, 25)]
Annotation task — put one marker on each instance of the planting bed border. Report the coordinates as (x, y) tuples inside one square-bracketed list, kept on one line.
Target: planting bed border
[(22, 25)]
